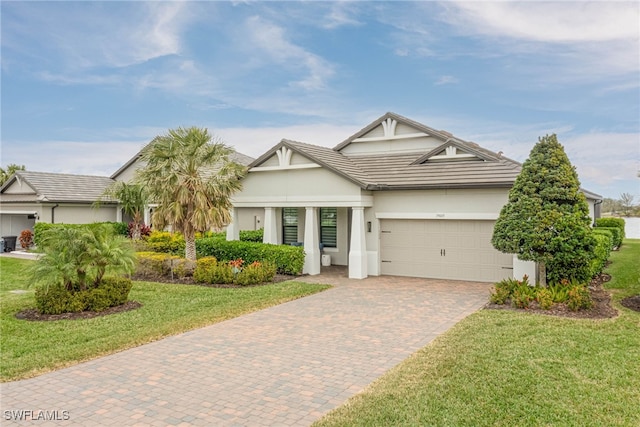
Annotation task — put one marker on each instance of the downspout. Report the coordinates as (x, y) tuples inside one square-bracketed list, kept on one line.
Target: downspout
[(596, 211), (53, 216)]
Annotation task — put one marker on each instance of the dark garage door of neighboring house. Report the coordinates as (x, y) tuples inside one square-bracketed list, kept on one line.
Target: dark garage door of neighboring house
[(13, 224), (442, 249)]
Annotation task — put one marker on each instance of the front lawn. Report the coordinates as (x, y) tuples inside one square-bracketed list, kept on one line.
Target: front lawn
[(503, 368), (31, 348)]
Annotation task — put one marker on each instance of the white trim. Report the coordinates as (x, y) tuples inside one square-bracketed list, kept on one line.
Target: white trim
[(304, 201), (284, 168), (389, 138), (18, 212), (453, 156), (438, 215)]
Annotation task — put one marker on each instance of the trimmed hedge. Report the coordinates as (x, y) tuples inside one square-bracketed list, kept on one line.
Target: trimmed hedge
[(119, 228), (245, 235), (252, 235), (287, 259), (612, 222), (111, 292), (208, 270), (616, 235), (606, 233)]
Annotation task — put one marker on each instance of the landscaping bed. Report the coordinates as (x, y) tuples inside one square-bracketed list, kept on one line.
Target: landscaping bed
[(188, 280), (632, 303), (33, 314), (601, 309)]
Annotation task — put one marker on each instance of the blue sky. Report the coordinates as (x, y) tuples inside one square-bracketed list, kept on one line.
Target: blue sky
[(86, 84)]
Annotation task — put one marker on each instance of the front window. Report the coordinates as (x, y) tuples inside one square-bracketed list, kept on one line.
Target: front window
[(289, 225), (329, 227)]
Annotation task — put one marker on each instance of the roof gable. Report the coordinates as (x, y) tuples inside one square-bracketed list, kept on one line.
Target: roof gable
[(454, 150), (57, 187), (315, 155), (393, 133), (17, 185)]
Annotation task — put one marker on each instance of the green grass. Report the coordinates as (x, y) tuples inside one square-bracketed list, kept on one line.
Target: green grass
[(31, 348), (502, 368)]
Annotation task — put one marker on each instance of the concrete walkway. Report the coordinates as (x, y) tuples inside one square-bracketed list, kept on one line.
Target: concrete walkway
[(282, 366)]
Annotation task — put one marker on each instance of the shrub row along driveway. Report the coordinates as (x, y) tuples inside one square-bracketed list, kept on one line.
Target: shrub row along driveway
[(286, 365)]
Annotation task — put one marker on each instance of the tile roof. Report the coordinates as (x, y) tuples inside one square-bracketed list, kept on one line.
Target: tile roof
[(57, 187), (400, 171), (394, 171)]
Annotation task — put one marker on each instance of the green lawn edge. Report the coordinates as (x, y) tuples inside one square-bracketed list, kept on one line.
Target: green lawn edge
[(503, 368), (28, 348)]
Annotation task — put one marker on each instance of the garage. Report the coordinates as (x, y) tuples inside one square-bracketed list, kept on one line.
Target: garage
[(442, 249)]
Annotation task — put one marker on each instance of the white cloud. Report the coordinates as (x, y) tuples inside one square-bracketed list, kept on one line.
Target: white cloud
[(342, 13), (580, 40), (446, 80), (557, 22), (85, 158), (88, 34), (269, 42), (607, 158)]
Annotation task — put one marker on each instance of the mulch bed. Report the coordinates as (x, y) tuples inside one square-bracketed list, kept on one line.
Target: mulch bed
[(632, 303), (34, 315), (601, 309)]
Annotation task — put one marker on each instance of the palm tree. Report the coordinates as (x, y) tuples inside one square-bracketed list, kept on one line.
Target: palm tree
[(108, 251), (78, 257), (133, 198), (7, 173), (191, 178)]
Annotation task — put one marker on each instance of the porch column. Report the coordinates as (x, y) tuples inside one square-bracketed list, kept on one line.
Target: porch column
[(270, 226), (311, 242), (145, 216), (358, 252), (119, 213), (233, 229)]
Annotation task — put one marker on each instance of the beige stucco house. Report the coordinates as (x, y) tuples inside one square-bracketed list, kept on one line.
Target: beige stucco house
[(396, 198), (28, 197)]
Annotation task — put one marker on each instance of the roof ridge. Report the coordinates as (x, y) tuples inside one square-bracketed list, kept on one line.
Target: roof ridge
[(293, 141), (62, 174)]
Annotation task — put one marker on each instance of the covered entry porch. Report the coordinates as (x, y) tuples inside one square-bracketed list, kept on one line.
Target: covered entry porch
[(321, 228)]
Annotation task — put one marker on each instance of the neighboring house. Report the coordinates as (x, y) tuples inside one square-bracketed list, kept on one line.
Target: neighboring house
[(28, 197), (127, 172), (396, 198)]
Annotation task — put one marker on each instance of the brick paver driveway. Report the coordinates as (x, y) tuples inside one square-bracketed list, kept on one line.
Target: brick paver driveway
[(282, 366)]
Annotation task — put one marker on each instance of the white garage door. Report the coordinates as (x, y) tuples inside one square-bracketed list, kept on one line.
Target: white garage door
[(442, 249)]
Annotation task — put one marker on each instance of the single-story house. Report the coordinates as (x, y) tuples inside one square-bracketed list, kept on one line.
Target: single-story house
[(28, 197), (396, 198)]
